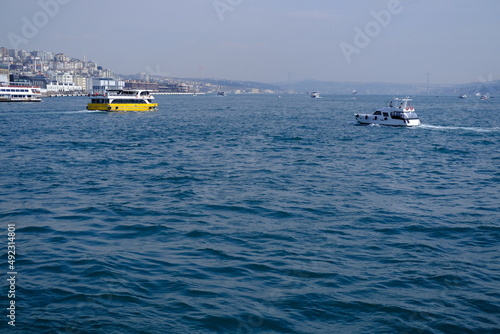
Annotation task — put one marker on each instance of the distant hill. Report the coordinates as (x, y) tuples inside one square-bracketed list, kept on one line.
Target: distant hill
[(491, 88), (222, 83), (374, 88), (236, 84), (331, 87)]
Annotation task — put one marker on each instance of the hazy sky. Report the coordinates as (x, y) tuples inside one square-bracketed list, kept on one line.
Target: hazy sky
[(398, 41)]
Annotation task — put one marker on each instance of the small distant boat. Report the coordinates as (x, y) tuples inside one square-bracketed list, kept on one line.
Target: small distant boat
[(484, 97), (463, 96), (221, 93), (354, 92), (315, 95), (397, 112), (123, 100), (19, 92)]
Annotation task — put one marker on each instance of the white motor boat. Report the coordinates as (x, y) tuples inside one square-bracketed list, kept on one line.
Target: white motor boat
[(315, 95), (397, 112)]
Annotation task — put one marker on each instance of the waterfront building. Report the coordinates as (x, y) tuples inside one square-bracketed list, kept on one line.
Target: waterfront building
[(40, 81), (43, 55), (4, 72), (174, 88), (101, 85), (57, 87), (132, 84), (60, 57), (64, 78), (82, 82)]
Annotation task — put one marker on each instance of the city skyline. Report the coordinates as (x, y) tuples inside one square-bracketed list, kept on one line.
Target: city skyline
[(394, 41)]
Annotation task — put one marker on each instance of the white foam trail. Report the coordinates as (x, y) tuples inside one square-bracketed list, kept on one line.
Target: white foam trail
[(89, 111), (462, 128), (73, 112)]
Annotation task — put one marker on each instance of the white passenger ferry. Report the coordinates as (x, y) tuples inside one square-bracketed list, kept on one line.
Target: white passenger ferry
[(397, 112), (123, 100), (19, 92)]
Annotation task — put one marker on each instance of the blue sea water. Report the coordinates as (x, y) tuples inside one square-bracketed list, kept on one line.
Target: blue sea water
[(251, 214)]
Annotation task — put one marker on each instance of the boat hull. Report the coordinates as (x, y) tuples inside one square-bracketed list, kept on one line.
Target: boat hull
[(122, 106), (386, 121), (21, 100)]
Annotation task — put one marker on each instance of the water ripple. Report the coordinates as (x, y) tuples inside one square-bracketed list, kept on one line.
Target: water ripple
[(252, 214)]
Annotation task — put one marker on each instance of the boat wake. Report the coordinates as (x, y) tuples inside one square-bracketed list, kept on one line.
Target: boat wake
[(89, 111), (83, 111), (461, 128)]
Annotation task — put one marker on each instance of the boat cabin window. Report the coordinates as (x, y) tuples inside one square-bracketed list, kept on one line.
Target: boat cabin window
[(128, 101), (100, 100), (398, 115), (404, 115), (122, 92), (386, 114), (378, 112), (411, 115)]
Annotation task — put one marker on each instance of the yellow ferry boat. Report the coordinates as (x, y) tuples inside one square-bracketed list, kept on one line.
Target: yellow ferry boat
[(123, 100)]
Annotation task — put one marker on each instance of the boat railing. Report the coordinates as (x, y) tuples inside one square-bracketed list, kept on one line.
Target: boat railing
[(17, 84)]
